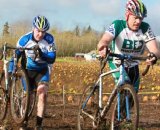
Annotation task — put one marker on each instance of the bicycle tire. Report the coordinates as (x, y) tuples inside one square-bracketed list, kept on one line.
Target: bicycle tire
[(124, 123), (19, 96), (1, 53), (85, 122), (3, 97), (32, 101)]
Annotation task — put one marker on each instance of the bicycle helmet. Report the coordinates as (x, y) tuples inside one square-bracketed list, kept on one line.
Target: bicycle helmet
[(41, 23), (137, 8)]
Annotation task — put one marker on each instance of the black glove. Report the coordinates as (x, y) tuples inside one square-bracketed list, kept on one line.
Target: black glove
[(152, 55), (37, 51)]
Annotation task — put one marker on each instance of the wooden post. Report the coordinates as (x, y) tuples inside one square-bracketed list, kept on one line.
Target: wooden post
[(63, 116), (63, 95)]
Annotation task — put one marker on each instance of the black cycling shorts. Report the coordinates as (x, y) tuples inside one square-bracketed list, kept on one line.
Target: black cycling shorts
[(35, 77)]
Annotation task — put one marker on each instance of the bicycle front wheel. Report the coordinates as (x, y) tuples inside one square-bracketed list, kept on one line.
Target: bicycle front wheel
[(32, 101), (88, 107), (19, 96), (125, 115), (3, 97)]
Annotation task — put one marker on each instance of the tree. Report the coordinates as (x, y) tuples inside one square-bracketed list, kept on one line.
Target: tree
[(77, 31), (6, 29), (87, 30)]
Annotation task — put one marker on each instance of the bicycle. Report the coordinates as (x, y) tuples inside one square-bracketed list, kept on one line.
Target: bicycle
[(14, 88), (123, 100)]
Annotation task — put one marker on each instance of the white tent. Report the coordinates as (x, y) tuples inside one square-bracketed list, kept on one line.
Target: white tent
[(158, 40)]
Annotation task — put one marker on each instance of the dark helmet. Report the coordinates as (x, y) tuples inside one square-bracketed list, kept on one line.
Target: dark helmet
[(41, 23)]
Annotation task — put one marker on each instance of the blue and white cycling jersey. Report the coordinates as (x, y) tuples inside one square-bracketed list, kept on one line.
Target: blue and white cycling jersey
[(47, 47)]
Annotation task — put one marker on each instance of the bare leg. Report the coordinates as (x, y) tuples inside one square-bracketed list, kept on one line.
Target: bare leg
[(41, 105)]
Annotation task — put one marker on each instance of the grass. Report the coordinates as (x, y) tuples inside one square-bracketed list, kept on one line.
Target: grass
[(74, 60), (66, 59)]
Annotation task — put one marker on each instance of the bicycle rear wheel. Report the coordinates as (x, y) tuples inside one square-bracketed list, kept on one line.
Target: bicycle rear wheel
[(125, 115), (3, 97), (88, 107), (19, 96)]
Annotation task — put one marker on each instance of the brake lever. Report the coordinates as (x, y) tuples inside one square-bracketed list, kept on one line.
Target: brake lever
[(146, 70)]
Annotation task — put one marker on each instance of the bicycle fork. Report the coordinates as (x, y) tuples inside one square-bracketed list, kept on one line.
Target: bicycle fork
[(109, 102), (126, 106), (92, 92), (6, 75), (122, 80)]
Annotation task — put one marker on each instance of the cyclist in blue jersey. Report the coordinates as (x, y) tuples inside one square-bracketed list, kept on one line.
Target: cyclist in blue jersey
[(130, 36), (38, 68)]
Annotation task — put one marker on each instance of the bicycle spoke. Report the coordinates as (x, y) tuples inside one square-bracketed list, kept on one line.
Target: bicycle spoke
[(125, 114), (87, 110), (3, 98), (19, 97), (32, 100)]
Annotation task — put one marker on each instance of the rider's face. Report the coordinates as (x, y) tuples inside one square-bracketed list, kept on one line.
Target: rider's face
[(134, 22), (38, 35)]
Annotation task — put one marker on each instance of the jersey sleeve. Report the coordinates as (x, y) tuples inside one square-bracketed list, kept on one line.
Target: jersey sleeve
[(149, 35), (116, 27), (111, 30), (50, 54), (147, 31), (20, 44)]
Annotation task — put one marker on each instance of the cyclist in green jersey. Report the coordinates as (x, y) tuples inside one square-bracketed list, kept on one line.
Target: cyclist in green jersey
[(130, 36)]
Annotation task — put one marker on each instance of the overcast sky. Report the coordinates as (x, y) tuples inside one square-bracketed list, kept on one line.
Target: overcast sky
[(66, 14)]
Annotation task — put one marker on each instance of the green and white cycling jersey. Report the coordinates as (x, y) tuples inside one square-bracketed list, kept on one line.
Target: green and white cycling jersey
[(127, 41)]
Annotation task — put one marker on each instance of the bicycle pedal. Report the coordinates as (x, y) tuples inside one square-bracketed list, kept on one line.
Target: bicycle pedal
[(128, 121), (95, 126), (5, 128), (38, 128)]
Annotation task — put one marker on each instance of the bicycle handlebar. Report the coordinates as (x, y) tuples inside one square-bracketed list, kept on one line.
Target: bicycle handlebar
[(126, 57), (145, 71), (5, 47), (123, 57)]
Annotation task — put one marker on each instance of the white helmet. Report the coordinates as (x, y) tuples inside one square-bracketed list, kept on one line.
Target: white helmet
[(137, 8)]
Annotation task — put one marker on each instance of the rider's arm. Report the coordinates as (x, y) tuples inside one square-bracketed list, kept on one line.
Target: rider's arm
[(150, 40), (154, 52), (104, 43), (153, 47), (151, 44), (108, 36), (105, 40), (49, 56)]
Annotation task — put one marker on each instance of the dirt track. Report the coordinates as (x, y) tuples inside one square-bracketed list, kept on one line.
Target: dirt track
[(75, 76), (60, 117)]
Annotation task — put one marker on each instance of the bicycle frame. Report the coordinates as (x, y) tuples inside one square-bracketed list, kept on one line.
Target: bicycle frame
[(100, 83), (5, 80), (5, 68), (122, 80), (18, 88), (123, 98)]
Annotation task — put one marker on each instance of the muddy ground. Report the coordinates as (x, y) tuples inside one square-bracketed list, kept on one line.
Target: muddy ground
[(73, 76), (64, 117)]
